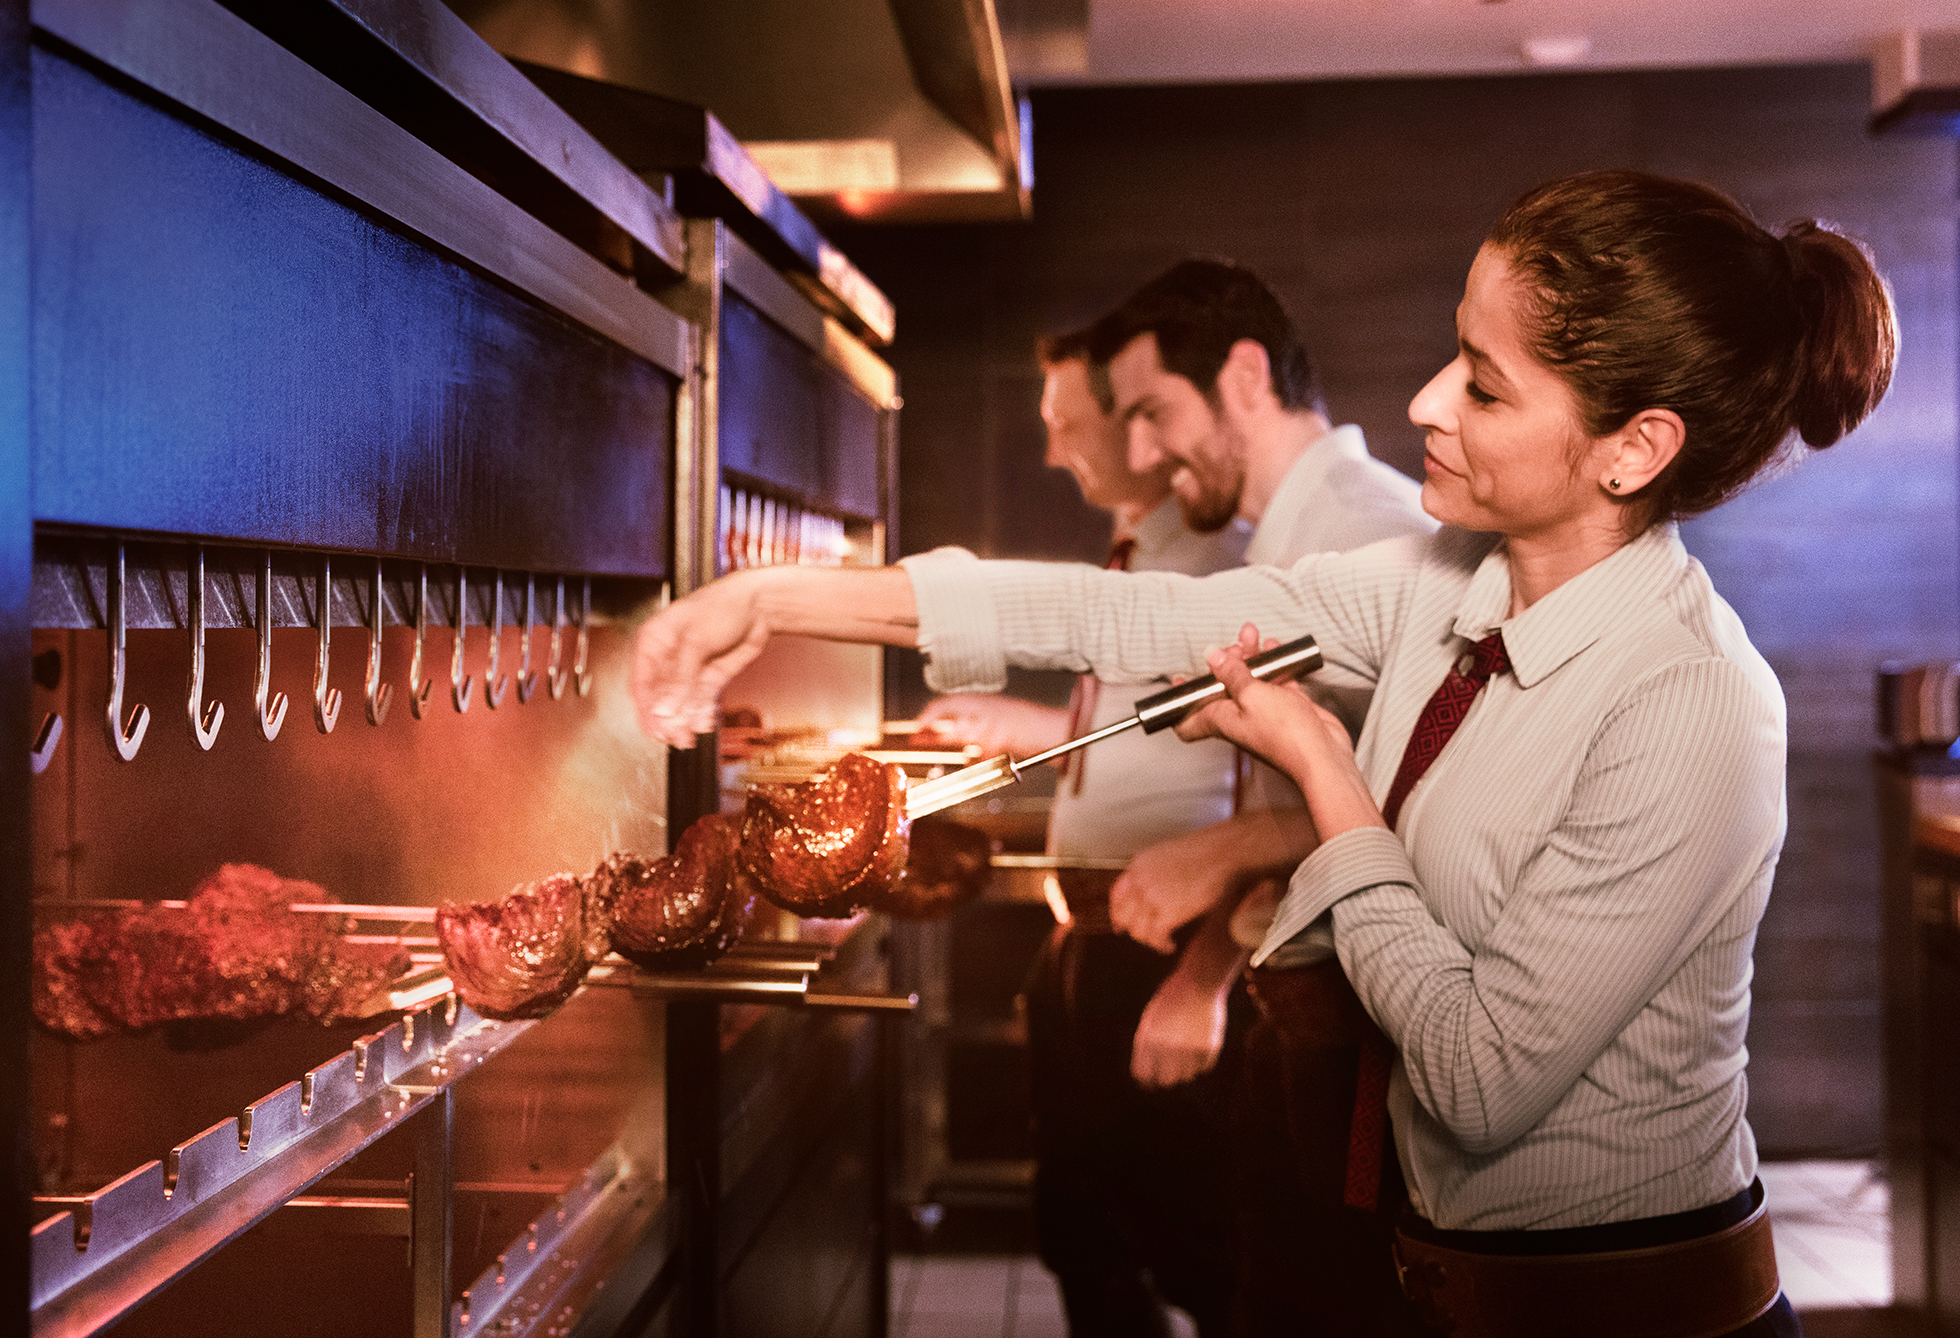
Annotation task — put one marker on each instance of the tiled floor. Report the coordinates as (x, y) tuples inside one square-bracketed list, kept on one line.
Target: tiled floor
[(1831, 1248), (1833, 1236)]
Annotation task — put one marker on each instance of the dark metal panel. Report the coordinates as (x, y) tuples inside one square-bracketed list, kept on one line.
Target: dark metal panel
[(310, 377), (792, 420), (422, 67), (714, 177), (213, 63)]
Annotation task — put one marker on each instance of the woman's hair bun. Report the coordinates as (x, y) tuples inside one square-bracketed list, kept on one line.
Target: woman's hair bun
[(1850, 332), (1655, 293)]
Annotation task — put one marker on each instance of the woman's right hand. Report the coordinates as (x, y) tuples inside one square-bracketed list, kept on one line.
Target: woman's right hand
[(1282, 724)]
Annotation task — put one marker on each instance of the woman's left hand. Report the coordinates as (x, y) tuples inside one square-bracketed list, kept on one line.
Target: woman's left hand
[(1283, 725)]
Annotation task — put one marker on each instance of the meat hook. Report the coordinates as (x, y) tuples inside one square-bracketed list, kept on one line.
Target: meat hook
[(527, 682), (554, 676), (205, 723), (270, 720), (459, 686), (326, 702), (125, 739), (494, 684), (379, 694), (418, 686), (45, 743), (579, 674)]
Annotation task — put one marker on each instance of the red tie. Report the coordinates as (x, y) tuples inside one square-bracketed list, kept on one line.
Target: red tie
[(1438, 721), (1082, 701)]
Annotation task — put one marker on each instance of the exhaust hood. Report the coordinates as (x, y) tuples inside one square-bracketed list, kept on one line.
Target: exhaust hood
[(867, 110), (1916, 83)]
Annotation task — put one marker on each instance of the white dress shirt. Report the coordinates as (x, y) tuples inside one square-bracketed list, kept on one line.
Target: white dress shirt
[(1135, 792), (1557, 936)]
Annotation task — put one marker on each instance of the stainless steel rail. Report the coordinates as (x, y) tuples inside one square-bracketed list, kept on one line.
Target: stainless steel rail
[(104, 1253)]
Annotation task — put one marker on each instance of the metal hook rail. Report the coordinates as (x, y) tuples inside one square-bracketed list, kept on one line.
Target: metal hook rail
[(527, 682), (419, 686), (73, 590)]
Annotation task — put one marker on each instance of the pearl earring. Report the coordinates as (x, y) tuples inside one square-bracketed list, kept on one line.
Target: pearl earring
[(1613, 484)]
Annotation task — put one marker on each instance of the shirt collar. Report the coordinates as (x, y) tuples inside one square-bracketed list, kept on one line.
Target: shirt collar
[(1295, 495), (1158, 527), (1576, 614)]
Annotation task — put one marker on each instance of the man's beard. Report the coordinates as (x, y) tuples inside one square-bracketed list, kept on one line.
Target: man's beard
[(1217, 501)]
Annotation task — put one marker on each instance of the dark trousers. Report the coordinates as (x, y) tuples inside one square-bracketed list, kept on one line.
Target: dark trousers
[(1309, 1265), (1132, 1197)]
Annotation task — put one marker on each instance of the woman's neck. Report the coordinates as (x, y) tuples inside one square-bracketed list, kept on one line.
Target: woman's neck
[(1541, 563)]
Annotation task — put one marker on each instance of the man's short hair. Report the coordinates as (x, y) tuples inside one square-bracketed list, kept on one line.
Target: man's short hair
[(1198, 309), (1073, 346)]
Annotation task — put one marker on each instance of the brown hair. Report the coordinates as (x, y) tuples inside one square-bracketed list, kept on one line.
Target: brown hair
[(1653, 293), (1074, 346), (1198, 309)]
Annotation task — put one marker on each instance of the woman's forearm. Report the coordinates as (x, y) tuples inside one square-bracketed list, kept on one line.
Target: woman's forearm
[(873, 605)]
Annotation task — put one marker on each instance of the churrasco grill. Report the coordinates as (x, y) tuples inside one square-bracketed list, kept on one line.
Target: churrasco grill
[(360, 400)]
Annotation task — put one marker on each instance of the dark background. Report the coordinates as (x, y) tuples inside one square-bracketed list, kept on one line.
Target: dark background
[(1362, 204)]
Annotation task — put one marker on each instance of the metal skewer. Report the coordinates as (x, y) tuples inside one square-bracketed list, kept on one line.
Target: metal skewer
[(1157, 712)]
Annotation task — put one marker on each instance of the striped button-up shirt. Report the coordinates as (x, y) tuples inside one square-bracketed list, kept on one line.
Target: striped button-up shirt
[(1557, 936)]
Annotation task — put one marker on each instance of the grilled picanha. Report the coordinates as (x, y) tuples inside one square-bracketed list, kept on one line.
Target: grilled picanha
[(949, 865), (831, 845), (235, 953), (524, 955), (681, 911)]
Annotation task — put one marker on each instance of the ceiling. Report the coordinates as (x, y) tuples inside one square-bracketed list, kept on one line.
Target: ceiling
[(1206, 41)]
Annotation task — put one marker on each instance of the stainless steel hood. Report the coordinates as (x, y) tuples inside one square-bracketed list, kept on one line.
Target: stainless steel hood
[(887, 110)]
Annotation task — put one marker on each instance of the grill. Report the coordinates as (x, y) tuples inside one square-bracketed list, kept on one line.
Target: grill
[(372, 401)]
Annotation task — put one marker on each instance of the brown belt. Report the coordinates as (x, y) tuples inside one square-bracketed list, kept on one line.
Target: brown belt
[(1701, 1288)]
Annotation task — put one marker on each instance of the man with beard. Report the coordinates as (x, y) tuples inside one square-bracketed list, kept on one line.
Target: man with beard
[(1210, 377), (1121, 1245)]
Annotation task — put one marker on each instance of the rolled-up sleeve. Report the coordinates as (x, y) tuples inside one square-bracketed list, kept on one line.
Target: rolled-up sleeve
[(976, 618)]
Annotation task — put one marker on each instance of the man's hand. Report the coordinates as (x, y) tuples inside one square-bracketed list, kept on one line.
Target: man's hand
[(1172, 883), (1183, 1025), (994, 724), (1181, 1033)]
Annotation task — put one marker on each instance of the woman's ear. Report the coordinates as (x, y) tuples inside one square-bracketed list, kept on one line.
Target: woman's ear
[(1639, 452)]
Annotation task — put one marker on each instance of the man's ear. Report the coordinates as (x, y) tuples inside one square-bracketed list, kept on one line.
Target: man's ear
[(1639, 452), (1246, 379)]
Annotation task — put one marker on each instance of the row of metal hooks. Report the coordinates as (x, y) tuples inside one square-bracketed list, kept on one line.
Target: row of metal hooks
[(206, 719)]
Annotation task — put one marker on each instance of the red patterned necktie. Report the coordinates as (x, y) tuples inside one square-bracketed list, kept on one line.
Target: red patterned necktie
[(1438, 721), (1082, 701)]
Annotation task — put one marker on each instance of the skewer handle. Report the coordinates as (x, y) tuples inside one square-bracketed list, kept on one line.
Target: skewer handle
[(1164, 709)]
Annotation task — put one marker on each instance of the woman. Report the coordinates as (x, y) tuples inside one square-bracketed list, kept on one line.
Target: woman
[(1553, 922)]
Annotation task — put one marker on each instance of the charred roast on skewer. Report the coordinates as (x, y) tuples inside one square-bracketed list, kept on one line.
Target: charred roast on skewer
[(949, 865), (681, 911), (831, 845), (235, 953), (524, 955)]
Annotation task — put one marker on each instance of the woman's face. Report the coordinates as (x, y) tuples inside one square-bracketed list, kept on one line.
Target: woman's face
[(1504, 447)]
